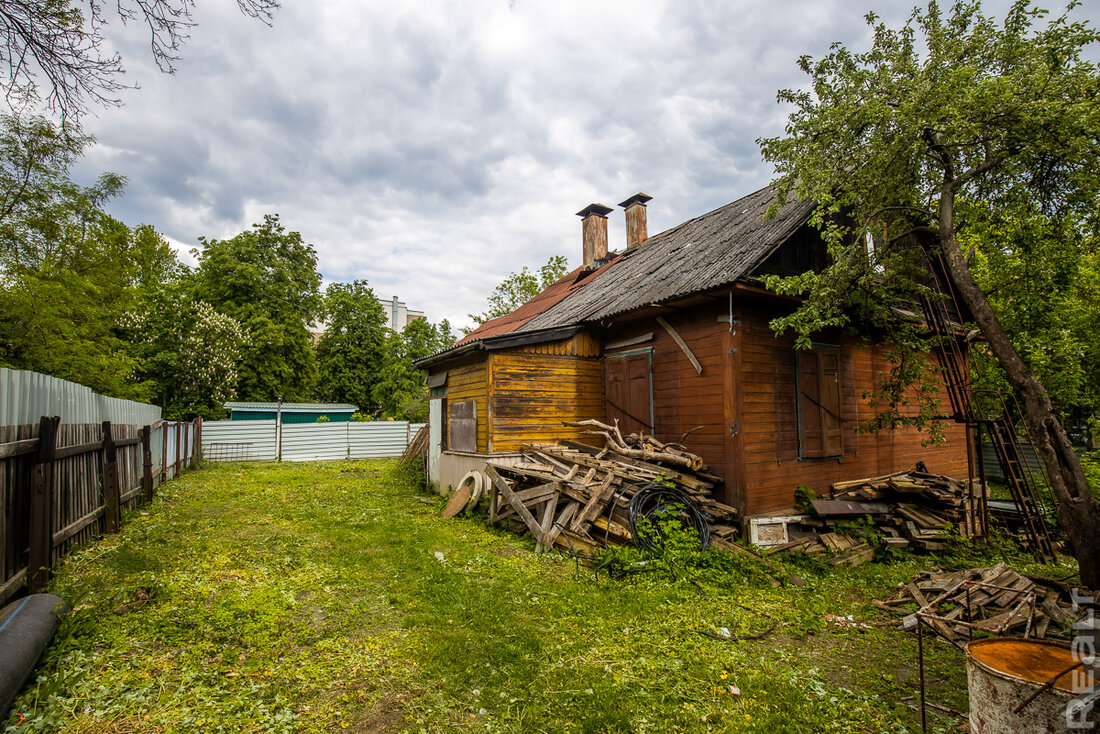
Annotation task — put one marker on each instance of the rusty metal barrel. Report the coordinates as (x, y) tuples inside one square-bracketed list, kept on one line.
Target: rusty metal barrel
[(1003, 674)]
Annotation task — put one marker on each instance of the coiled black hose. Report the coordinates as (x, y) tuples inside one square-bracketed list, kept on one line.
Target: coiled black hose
[(654, 500)]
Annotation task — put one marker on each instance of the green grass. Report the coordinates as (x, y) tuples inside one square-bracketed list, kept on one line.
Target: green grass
[(308, 598)]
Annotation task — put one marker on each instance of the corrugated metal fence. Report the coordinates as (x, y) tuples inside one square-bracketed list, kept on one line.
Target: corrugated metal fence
[(259, 440), (1030, 455), (27, 396)]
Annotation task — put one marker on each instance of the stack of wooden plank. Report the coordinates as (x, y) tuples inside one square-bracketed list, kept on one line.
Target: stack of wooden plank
[(993, 601), (909, 509), (842, 550), (574, 495)]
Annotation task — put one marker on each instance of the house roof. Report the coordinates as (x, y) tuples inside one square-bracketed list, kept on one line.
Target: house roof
[(709, 251), (292, 407), (553, 294), (712, 250)]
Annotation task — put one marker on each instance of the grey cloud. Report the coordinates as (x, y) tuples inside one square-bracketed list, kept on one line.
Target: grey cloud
[(434, 148)]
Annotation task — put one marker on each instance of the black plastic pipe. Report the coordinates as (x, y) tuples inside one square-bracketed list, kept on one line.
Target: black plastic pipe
[(26, 628)]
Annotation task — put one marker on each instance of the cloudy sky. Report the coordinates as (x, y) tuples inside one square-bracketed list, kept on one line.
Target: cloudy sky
[(434, 147)]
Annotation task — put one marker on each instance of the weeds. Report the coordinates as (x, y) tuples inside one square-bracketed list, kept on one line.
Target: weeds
[(331, 597)]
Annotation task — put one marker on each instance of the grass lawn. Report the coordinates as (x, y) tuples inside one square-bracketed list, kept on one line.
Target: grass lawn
[(333, 597)]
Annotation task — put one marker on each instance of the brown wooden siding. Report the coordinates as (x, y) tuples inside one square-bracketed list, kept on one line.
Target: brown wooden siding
[(533, 393), (682, 398), (772, 468), (471, 382)]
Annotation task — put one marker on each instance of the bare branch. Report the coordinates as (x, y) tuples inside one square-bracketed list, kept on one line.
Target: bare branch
[(51, 50)]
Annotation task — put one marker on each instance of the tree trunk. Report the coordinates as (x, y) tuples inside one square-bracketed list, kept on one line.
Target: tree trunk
[(1078, 508)]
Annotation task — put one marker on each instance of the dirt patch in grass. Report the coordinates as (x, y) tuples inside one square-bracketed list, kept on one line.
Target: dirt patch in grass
[(385, 716)]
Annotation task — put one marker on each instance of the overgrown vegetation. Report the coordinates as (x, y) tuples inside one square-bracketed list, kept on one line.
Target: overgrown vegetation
[(330, 597)]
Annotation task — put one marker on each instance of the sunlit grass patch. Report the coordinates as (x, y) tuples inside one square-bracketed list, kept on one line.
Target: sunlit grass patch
[(309, 597)]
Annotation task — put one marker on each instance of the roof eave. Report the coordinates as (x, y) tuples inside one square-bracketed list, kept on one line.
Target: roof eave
[(503, 341)]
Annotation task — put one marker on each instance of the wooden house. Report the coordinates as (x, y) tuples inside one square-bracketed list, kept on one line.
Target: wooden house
[(671, 336)]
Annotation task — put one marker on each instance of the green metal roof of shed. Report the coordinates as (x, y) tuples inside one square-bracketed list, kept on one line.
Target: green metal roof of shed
[(293, 407)]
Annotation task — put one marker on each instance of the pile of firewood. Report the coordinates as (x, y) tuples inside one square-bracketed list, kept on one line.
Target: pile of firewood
[(577, 496), (994, 601), (641, 446), (908, 509)]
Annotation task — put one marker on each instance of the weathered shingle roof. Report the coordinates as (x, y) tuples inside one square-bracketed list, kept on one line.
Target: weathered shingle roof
[(553, 293), (707, 252), (712, 250)]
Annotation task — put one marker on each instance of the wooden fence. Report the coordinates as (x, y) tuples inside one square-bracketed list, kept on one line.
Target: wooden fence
[(63, 485)]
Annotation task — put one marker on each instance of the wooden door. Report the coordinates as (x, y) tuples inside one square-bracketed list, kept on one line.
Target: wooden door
[(628, 390)]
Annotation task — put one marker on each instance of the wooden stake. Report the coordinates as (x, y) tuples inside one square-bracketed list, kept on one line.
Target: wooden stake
[(40, 518), (147, 462), (112, 519)]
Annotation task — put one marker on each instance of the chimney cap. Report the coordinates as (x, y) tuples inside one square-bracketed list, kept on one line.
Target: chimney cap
[(597, 209), (638, 198)]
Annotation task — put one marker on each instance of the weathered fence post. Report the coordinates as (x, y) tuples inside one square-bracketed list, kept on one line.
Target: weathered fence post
[(111, 512), (179, 445), (196, 454), (186, 462), (147, 462), (40, 525), (163, 452)]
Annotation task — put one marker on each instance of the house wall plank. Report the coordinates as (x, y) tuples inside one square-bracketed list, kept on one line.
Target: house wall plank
[(773, 469)]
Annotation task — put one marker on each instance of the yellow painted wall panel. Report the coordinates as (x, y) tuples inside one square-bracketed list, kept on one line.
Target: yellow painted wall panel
[(469, 383), (532, 394)]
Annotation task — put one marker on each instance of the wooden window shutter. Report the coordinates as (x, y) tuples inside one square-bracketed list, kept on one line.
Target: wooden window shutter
[(462, 425), (820, 427)]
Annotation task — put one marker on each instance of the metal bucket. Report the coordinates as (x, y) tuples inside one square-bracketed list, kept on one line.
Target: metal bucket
[(1002, 673)]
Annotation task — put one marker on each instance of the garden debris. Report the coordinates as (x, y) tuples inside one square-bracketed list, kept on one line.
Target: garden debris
[(583, 499), (574, 495), (913, 509), (848, 622), (639, 445), (995, 601), (416, 453), (843, 550)]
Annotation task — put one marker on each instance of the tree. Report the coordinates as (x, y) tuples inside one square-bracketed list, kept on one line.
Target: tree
[(519, 288), (947, 114), (188, 352), (1042, 278), (58, 45), (68, 271), (401, 391), (352, 351), (266, 279)]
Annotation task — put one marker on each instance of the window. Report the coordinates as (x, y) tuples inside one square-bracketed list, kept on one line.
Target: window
[(462, 426), (819, 421)]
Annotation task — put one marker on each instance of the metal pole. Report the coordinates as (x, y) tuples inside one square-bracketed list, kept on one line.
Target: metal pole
[(920, 658), (969, 614), (279, 430)]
